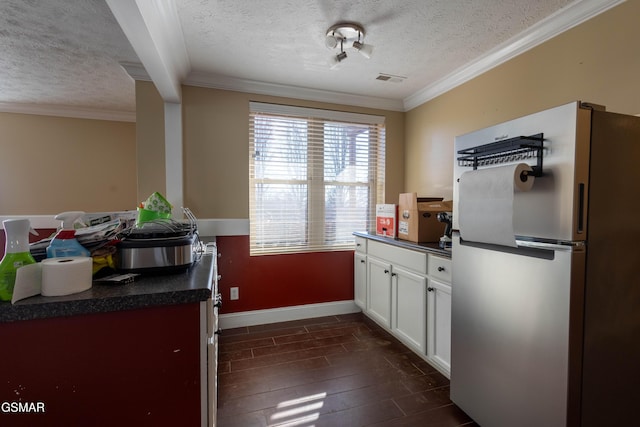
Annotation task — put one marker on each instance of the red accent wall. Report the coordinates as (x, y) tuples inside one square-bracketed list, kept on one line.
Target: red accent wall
[(272, 281)]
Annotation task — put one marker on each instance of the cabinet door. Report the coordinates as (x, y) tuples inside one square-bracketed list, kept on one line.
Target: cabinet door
[(379, 301), (209, 361), (439, 323), (360, 280), (410, 308)]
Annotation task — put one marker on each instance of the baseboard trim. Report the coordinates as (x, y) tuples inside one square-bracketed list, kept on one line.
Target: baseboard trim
[(285, 314)]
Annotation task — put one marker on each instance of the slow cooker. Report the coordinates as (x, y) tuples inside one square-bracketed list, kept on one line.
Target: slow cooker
[(160, 246)]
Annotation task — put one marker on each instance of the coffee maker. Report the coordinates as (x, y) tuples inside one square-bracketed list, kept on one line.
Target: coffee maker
[(445, 240)]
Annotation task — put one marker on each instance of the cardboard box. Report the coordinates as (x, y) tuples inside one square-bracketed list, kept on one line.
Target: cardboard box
[(417, 220), (387, 220)]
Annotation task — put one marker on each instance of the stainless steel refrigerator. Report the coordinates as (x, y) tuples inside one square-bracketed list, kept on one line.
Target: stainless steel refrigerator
[(546, 326)]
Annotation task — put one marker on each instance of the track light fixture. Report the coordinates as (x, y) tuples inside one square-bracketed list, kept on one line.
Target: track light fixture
[(346, 34)]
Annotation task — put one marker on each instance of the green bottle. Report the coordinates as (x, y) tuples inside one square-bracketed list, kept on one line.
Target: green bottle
[(16, 254)]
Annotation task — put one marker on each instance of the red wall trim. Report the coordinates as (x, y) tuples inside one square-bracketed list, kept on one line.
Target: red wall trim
[(273, 281)]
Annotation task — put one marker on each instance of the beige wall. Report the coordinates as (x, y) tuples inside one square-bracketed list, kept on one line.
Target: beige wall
[(597, 61), (54, 164), (216, 150), (150, 141)]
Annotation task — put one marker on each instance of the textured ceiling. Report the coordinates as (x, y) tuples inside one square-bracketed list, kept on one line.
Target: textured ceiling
[(67, 53), (422, 40), (64, 53)]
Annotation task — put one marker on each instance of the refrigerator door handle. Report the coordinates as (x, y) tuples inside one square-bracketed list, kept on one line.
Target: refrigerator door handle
[(551, 246), (530, 248), (580, 228)]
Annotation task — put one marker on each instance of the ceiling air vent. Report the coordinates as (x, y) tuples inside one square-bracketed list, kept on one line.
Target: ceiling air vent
[(390, 78)]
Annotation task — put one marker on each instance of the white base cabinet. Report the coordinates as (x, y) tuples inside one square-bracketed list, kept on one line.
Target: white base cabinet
[(406, 291), (439, 324), (410, 308), (379, 291), (360, 273), (439, 312), (360, 280)]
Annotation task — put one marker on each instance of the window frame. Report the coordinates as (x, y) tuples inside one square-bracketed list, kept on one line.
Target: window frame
[(315, 222)]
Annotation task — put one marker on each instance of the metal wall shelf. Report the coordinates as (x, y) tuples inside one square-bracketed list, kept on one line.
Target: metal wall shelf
[(508, 150)]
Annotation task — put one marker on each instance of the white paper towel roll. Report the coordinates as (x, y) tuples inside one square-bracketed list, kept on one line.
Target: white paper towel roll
[(66, 276), (485, 204), (28, 282)]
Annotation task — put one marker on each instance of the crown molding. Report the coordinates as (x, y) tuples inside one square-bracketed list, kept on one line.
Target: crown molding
[(262, 88), (214, 81), (563, 20), (557, 23), (68, 111)]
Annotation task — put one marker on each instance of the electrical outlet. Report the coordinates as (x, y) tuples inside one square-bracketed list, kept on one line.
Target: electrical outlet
[(234, 294)]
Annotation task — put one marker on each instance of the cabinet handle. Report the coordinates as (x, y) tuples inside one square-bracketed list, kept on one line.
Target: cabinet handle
[(441, 268), (362, 261), (218, 332), (430, 289), (393, 274), (358, 244), (386, 272)]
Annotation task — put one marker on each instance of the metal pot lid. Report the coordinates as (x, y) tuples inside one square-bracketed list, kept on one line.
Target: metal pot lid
[(160, 229), (157, 242)]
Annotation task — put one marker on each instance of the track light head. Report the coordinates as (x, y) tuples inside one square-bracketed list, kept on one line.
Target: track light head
[(339, 57), (364, 49), (331, 41)]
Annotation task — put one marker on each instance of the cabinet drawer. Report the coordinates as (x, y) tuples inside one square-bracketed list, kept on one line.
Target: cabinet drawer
[(413, 260), (440, 268), (361, 245)]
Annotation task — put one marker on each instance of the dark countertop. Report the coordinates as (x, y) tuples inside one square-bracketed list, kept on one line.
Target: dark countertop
[(432, 248), (191, 285)]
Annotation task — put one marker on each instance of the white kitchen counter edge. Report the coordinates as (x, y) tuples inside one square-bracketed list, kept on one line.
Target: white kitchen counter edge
[(37, 221)]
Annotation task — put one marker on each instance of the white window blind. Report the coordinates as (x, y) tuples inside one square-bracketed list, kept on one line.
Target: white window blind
[(315, 177)]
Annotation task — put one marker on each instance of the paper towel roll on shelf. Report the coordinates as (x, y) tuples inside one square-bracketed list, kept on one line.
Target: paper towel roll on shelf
[(66, 276), (485, 206)]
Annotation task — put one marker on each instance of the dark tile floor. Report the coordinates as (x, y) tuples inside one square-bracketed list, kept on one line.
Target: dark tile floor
[(330, 371)]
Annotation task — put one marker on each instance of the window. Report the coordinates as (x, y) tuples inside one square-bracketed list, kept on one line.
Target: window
[(315, 177)]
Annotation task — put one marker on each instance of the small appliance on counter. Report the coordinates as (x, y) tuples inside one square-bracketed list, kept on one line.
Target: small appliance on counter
[(159, 246), (445, 240)]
